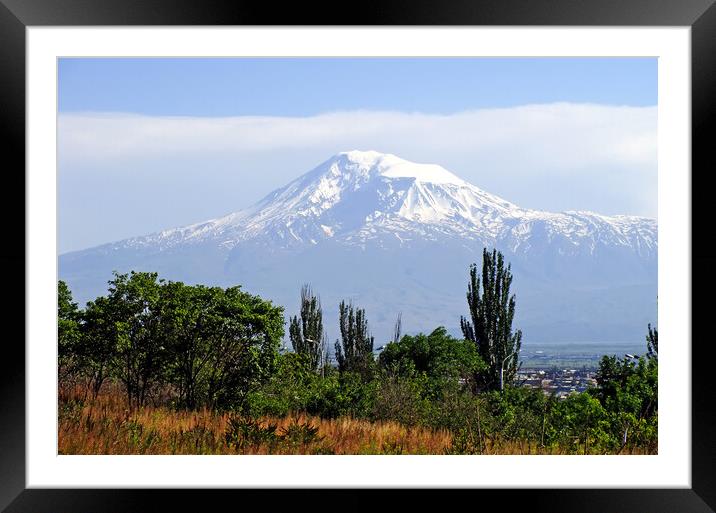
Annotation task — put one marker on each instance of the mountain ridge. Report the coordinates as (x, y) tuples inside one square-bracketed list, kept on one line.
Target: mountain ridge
[(419, 200), (399, 235)]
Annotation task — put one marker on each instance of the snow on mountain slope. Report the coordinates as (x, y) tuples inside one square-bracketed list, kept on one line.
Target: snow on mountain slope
[(358, 198), (398, 237)]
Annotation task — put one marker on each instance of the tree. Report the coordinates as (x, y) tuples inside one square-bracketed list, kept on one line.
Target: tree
[(306, 333), (209, 346), (355, 352), (133, 308), (398, 328), (244, 333), (581, 422), (68, 330), (97, 348), (490, 328), (628, 390), (652, 343), (439, 356), (186, 313)]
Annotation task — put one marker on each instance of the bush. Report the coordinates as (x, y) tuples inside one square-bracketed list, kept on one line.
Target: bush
[(346, 394), (288, 390), (242, 433), (580, 424), (300, 433), (439, 356), (246, 433), (401, 399), (518, 414), (628, 391)]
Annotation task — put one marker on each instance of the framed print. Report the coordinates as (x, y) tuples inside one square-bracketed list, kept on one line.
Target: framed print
[(290, 250)]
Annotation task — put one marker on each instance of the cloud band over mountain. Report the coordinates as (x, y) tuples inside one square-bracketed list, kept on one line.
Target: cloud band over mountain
[(554, 157), (567, 135)]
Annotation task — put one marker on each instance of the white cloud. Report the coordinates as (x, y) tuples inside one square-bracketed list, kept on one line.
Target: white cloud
[(563, 136), (177, 170)]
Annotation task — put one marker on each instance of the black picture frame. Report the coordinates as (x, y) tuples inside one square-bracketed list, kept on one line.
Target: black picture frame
[(16, 15)]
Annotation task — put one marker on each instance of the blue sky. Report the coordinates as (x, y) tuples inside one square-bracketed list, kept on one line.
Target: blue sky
[(148, 144), (302, 87)]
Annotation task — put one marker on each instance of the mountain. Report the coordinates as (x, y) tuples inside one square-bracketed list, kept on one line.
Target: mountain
[(397, 236)]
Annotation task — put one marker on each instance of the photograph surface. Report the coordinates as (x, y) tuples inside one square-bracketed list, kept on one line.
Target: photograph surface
[(357, 256)]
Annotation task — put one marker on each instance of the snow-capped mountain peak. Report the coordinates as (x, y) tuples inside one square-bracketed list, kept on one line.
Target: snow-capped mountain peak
[(399, 236), (390, 166), (359, 198)]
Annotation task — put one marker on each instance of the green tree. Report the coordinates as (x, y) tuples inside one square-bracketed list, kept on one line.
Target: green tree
[(355, 351), (244, 332), (135, 323), (611, 376), (438, 356), (210, 346), (186, 314), (652, 343), (306, 333), (68, 331), (628, 391), (398, 328), (490, 326), (97, 348), (581, 423)]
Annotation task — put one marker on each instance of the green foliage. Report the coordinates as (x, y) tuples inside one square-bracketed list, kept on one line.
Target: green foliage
[(490, 324), (68, 330), (289, 389), (306, 333), (295, 388), (97, 347), (628, 391), (188, 316), (612, 376), (133, 312), (403, 399), (438, 356), (355, 351), (581, 423), (211, 345), (300, 433), (245, 335), (652, 343), (245, 433), (345, 394), (218, 348), (518, 414), (222, 343)]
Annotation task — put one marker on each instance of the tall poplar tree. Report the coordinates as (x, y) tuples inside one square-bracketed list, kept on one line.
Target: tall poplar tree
[(652, 343), (490, 325), (355, 352), (306, 332)]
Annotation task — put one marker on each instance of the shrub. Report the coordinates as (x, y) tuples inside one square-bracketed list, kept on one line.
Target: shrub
[(401, 399), (346, 394), (243, 432), (300, 433), (580, 424)]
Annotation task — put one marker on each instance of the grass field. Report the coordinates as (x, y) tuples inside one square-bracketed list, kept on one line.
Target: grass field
[(104, 425)]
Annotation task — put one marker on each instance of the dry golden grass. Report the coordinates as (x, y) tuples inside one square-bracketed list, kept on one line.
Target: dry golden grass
[(104, 425)]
